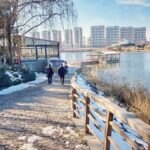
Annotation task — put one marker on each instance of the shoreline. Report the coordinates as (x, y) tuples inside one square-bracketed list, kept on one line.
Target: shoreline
[(120, 96), (128, 50)]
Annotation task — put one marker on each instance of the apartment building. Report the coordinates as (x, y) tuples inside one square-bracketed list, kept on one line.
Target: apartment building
[(127, 33), (140, 34), (78, 42), (36, 34), (46, 35), (112, 35), (98, 36), (56, 34), (68, 38)]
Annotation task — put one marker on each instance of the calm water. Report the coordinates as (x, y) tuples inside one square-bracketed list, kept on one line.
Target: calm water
[(134, 67)]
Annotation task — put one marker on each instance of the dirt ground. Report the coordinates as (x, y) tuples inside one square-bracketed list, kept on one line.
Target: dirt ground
[(39, 118)]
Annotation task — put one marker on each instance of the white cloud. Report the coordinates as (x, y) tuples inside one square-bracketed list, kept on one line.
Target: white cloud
[(144, 3)]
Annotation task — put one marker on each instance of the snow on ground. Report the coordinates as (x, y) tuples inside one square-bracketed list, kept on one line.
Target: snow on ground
[(40, 77), (14, 75), (57, 131), (30, 142), (22, 138)]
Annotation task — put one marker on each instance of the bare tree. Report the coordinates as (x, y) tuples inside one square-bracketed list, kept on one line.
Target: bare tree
[(22, 16)]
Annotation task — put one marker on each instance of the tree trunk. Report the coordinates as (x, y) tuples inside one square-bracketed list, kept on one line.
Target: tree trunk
[(9, 42)]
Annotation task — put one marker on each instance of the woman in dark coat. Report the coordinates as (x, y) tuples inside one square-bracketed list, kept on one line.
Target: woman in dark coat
[(50, 73), (61, 73)]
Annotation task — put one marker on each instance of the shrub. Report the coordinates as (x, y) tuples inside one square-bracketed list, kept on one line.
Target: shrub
[(4, 78), (27, 75), (15, 81), (18, 75)]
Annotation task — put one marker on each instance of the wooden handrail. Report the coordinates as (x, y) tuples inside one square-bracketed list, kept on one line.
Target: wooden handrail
[(87, 111), (73, 101), (112, 109), (108, 130)]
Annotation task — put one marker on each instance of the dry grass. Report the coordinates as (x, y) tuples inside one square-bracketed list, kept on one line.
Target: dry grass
[(134, 99)]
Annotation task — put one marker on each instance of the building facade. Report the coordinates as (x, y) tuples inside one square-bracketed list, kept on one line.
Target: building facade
[(140, 35), (78, 37), (36, 34), (97, 36), (89, 42), (127, 33), (56, 34), (112, 35), (46, 35), (68, 38)]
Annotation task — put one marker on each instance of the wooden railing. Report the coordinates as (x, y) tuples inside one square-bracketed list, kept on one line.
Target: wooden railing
[(112, 112)]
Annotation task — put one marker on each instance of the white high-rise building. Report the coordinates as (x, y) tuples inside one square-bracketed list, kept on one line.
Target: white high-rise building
[(68, 38), (112, 35), (140, 34), (84, 44), (78, 37), (97, 36), (127, 33), (89, 42), (36, 34), (46, 35), (57, 35)]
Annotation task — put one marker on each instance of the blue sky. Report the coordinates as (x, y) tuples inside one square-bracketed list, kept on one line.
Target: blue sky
[(113, 12)]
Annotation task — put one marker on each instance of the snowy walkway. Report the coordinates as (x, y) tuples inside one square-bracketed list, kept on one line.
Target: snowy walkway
[(39, 118)]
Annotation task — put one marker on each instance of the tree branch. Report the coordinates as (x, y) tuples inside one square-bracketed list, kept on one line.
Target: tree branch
[(41, 22)]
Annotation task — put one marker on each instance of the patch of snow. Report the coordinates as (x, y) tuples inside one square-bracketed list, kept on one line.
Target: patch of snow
[(33, 138), (81, 147), (14, 88), (19, 76), (22, 138), (9, 74), (50, 131), (67, 143), (71, 131), (40, 78), (28, 146)]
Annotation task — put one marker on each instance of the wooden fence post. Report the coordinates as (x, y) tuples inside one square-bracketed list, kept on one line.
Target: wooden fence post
[(108, 130), (73, 101), (87, 111)]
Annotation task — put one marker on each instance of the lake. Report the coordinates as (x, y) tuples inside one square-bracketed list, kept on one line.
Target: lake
[(133, 68)]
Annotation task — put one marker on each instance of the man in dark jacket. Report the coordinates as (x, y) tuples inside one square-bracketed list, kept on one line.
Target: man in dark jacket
[(50, 73), (61, 73)]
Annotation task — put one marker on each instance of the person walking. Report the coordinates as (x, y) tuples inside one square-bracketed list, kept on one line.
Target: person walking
[(50, 73), (61, 73)]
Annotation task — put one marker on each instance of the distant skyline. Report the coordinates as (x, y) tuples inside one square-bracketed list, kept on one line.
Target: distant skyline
[(123, 13), (134, 13)]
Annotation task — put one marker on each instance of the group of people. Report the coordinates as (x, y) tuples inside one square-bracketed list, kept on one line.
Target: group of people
[(62, 70)]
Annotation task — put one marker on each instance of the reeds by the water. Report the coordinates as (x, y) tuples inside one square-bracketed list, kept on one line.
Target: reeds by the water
[(135, 99)]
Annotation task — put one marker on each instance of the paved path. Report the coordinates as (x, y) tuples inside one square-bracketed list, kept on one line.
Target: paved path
[(38, 118)]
